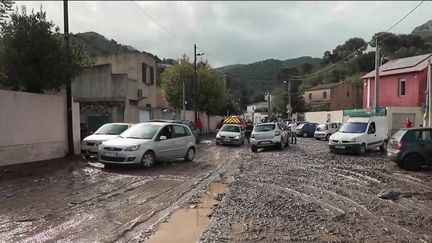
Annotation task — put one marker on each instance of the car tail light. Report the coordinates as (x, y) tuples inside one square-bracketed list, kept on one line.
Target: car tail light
[(400, 145), (277, 133)]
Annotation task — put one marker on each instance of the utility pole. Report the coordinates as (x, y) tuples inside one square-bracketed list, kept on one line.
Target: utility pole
[(195, 85), (68, 82), (377, 64), (429, 95), (184, 101), (289, 98)]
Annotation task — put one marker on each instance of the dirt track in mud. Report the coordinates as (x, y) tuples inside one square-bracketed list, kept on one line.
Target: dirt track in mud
[(306, 193), (83, 202), (228, 194)]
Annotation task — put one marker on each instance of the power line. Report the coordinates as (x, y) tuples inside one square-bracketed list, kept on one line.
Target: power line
[(365, 45), (175, 36)]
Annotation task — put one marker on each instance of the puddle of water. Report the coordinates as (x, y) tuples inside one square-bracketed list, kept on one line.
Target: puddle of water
[(218, 188), (185, 225)]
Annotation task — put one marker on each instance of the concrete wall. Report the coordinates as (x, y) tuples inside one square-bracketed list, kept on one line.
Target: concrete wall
[(323, 116), (418, 111), (33, 127)]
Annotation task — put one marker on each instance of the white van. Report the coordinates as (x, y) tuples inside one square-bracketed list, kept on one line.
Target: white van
[(360, 134)]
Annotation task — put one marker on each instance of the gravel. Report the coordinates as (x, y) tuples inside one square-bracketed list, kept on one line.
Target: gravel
[(305, 193)]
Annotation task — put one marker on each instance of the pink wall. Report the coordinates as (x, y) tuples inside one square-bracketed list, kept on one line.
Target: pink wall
[(389, 92)]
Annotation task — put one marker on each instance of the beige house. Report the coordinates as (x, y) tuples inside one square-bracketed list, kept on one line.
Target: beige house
[(319, 96), (118, 88)]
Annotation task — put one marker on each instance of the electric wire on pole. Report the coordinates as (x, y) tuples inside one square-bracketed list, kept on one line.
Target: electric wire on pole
[(68, 81)]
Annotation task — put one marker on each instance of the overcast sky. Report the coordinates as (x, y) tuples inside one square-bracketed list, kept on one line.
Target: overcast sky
[(236, 32)]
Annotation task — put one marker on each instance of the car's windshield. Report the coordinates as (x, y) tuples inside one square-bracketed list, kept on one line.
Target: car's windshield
[(353, 127), (230, 128), (264, 128), (141, 131), (111, 129), (301, 126), (321, 127)]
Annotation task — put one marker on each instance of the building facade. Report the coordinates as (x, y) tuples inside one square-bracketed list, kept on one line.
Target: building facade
[(334, 96), (118, 88), (402, 83)]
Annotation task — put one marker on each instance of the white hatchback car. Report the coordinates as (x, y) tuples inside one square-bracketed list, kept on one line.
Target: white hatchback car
[(90, 144), (269, 135), (145, 143)]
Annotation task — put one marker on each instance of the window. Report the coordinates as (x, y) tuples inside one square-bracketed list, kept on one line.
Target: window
[(180, 131), (151, 75), (310, 96), (402, 87), (325, 95), (144, 73), (425, 136), (347, 93), (372, 128), (167, 132)]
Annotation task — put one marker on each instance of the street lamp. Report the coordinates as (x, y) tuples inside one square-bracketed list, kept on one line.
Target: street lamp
[(288, 107), (195, 81)]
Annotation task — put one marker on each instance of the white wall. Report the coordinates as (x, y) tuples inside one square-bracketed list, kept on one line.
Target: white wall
[(33, 127), (322, 116)]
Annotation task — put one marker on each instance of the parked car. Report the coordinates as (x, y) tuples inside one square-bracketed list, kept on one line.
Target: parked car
[(325, 130), (230, 134), (146, 143), (411, 148), (196, 132), (360, 134), (306, 129), (269, 135), (90, 144)]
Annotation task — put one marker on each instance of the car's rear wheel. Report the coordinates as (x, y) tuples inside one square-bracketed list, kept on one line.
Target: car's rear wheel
[(281, 145), (254, 148), (327, 137), (148, 159), (412, 162), (305, 134), (383, 147), (190, 154)]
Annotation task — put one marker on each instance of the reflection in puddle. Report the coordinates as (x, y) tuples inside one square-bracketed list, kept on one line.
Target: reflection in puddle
[(187, 224)]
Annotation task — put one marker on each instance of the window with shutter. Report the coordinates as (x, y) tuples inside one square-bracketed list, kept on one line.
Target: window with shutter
[(144, 73)]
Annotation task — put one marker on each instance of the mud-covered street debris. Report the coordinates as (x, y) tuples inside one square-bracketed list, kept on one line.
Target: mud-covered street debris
[(390, 195)]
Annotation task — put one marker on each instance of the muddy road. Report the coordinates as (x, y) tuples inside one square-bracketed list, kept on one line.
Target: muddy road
[(228, 194), (306, 193), (76, 201)]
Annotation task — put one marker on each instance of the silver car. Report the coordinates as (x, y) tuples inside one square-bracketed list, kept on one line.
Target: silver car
[(230, 134), (324, 131), (146, 143), (269, 135), (90, 144)]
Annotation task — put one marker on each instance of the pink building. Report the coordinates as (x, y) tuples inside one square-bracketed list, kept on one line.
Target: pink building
[(402, 83)]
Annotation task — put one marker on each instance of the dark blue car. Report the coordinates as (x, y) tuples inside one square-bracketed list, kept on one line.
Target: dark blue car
[(306, 129)]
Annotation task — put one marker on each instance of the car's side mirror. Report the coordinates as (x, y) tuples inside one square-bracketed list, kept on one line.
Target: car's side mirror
[(162, 138)]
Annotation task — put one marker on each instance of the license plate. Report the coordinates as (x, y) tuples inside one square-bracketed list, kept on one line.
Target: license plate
[(227, 139), (110, 154), (265, 142), (339, 147)]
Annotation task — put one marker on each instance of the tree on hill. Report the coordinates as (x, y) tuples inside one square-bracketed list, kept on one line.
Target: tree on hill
[(212, 94), (33, 55)]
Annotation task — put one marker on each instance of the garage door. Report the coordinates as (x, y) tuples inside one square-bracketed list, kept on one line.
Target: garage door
[(398, 120), (144, 115)]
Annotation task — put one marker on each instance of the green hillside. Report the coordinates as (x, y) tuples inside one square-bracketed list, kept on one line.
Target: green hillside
[(97, 45), (249, 81)]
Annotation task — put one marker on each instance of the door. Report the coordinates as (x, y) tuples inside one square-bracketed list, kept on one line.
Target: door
[(94, 122), (181, 140), (144, 115), (425, 144), (165, 148), (372, 138)]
